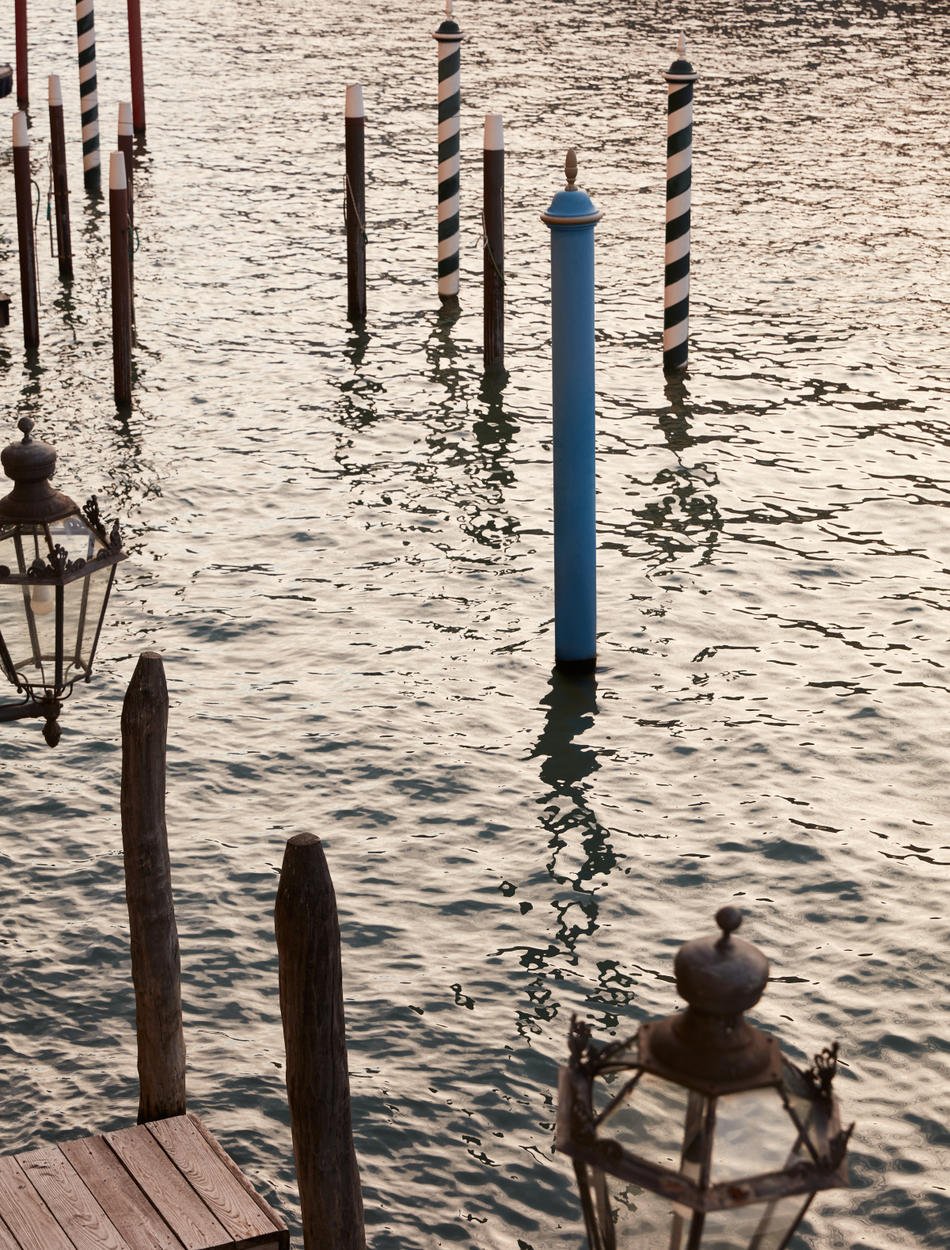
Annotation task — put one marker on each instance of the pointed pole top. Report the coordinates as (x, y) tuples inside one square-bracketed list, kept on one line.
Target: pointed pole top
[(448, 8), (570, 169)]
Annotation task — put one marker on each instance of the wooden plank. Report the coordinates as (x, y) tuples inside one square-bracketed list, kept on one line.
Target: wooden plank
[(25, 1214), (119, 1196), (230, 1202), (66, 1196), (169, 1191), (7, 1241), (283, 1234)]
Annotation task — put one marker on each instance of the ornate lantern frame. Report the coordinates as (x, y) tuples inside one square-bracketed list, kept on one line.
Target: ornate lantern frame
[(719, 1072), (57, 564)]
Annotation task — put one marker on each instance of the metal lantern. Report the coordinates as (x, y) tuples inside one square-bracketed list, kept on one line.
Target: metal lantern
[(56, 568), (698, 1134)]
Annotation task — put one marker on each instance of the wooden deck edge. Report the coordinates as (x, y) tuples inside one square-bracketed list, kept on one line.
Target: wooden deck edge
[(283, 1233)]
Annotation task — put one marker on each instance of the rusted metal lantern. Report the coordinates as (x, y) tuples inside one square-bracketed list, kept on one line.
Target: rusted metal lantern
[(698, 1134), (57, 563)]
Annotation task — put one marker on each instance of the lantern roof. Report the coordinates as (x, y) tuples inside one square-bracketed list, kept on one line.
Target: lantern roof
[(30, 464)]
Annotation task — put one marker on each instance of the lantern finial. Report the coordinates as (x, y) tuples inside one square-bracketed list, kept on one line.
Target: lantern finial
[(26, 425)]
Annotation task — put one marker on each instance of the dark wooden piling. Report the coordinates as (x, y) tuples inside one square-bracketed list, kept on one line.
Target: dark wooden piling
[(354, 123), (21, 38), (125, 144), (156, 963), (135, 67), (24, 227), (318, 1086), (494, 244), (121, 280), (57, 143)]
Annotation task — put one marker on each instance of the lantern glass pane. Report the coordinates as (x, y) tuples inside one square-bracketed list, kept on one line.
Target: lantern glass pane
[(649, 1121), (28, 612), (812, 1113), (754, 1134), (641, 1220), (761, 1226), (83, 605)]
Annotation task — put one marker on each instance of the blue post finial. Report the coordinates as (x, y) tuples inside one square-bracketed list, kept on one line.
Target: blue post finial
[(571, 217)]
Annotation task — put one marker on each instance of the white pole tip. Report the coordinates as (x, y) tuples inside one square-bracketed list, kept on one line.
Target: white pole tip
[(354, 100), (494, 133), (117, 171), (55, 91), (21, 134), (681, 48), (448, 8), (125, 117)]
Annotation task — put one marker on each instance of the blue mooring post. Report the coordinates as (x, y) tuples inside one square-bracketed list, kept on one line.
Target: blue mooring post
[(571, 218)]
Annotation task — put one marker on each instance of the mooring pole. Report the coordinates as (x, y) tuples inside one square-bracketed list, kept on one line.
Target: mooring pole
[(135, 67), (571, 218), (156, 963), (449, 38), (318, 1085), (21, 37), (124, 144), (23, 190), (121, 287), (88, 95), (355, 203), (493, 227), (679, 174), (57, 143)]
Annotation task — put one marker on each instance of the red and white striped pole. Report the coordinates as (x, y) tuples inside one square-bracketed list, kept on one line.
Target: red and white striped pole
[(24, 227), (135, 67), (21, 37), (121, 291), (57, 143), (125, 142)]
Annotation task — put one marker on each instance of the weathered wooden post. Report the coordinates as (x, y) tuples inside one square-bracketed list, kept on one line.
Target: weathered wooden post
[(23, 188), (572, 217), (156, 963), (449, 38), (88, 93), (318, 1085), (135, 67), (21, 37), (125, 144), (57, 143), (121, 284), (493, 227), (355, 210), (679, 176)]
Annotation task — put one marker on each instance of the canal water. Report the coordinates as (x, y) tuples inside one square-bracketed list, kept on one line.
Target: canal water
[(341, 545)]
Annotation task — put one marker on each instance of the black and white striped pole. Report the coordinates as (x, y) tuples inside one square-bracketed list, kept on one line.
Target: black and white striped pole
[(679, 172), (88, 97), (449, 39)]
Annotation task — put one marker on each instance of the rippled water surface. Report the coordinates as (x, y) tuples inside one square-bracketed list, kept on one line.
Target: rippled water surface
[(342, 547)]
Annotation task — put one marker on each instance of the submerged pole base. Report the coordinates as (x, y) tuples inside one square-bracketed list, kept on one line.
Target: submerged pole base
[(575, 668)]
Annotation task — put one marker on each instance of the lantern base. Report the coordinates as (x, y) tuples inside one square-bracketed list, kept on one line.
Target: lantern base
[(50, 708)]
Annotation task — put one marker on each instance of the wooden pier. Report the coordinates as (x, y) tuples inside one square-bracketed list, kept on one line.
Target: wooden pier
[(166, 1185)]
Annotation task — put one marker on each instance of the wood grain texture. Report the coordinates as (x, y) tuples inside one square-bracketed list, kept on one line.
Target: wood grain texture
[(230, 1201), (67, 1197), (106, 1178), (283, 1238), (156, 962), (169, 1191), (318, 1086), (7, 1241), (25, 1214)]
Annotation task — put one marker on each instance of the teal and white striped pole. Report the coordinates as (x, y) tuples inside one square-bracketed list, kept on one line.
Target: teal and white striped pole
[(679, 176), (571, 218), (449, 39), (88, 96)]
